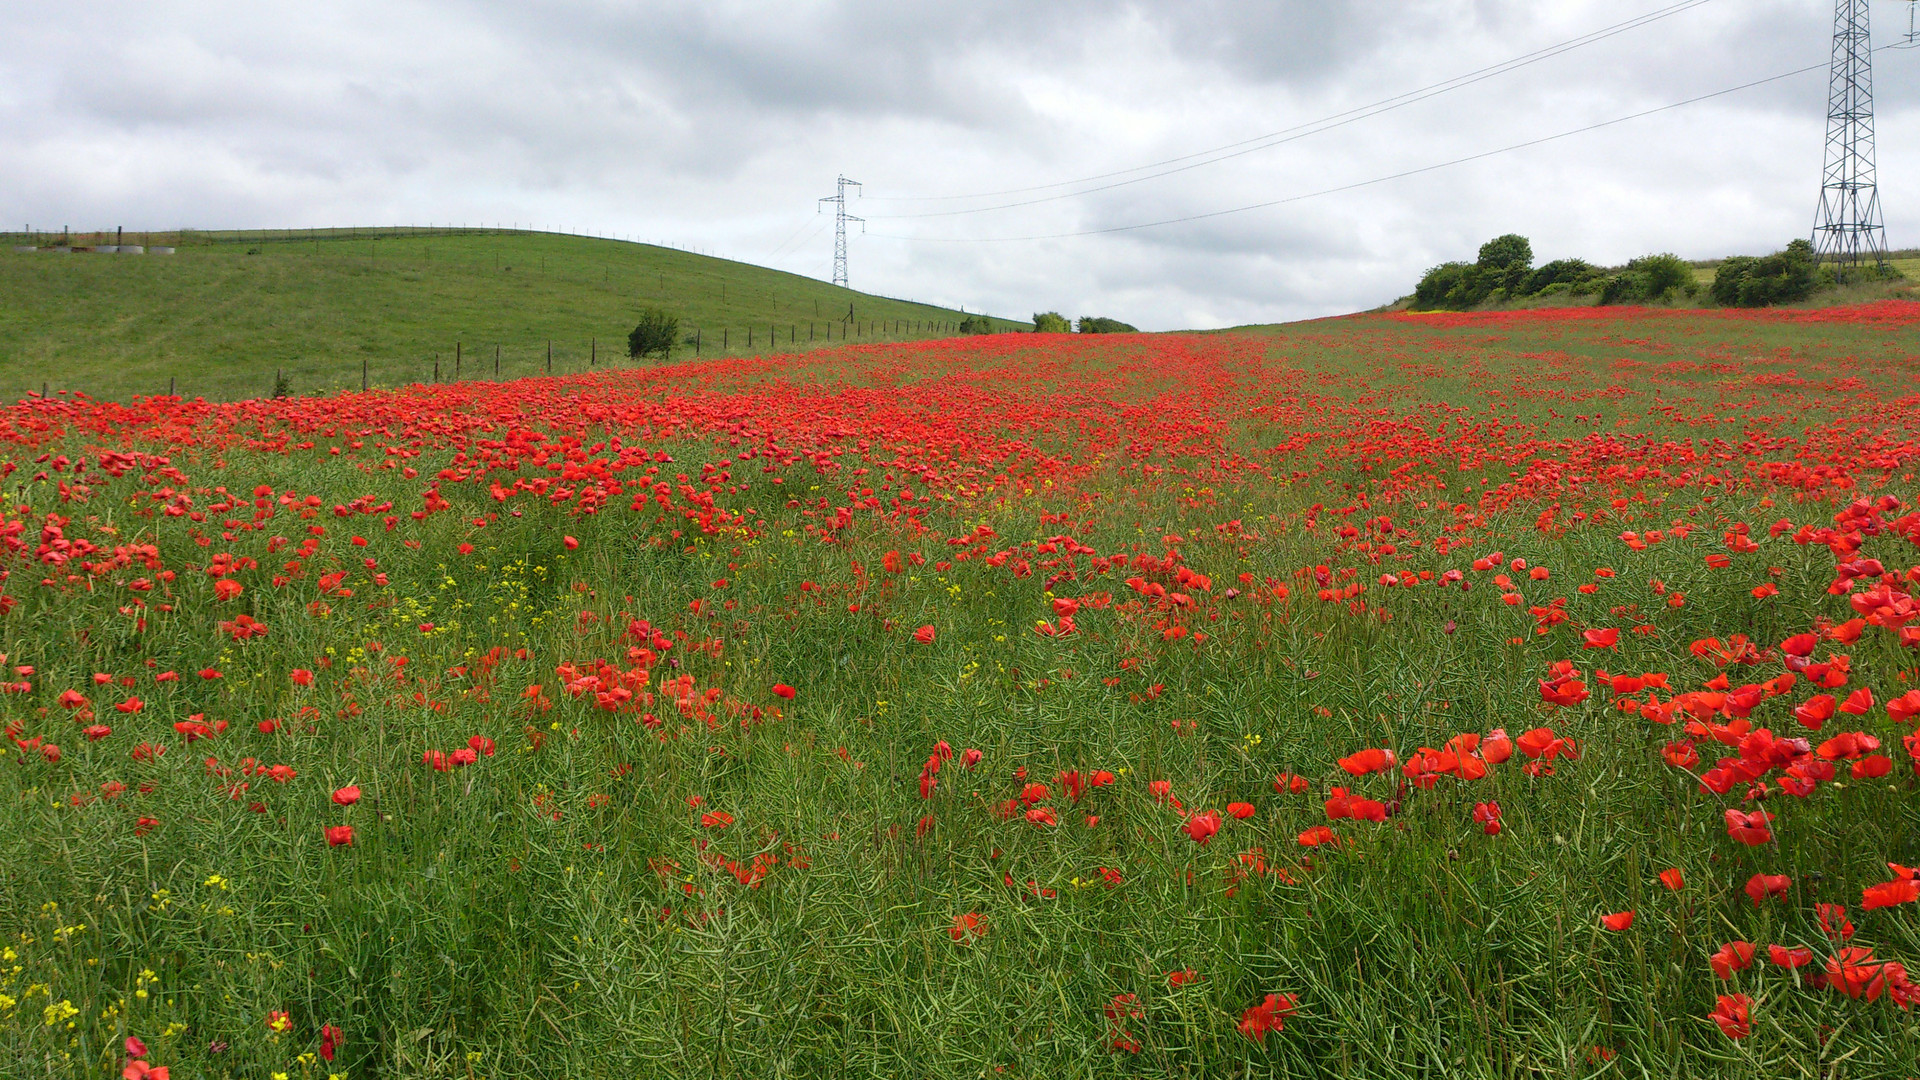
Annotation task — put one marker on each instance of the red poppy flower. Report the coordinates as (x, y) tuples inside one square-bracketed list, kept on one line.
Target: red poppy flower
[(924, 635), (718, 819), (1042, 816), (1859, 703), (968, 928), (1732, 1016), (1289, 784), (1488, 816), (1789, 958), (140, 1070), (1749, 828), (1182, 978), (1368, 761), (346, 796), (1617, 921), (1601, 639), (330, 1039), (782, 690), (1496, 748), (1269, 1015), (1202, 827), (1672, 878), (339, 835), (1890, 893), (1680, 755), (1834, 922), (1733, 956), (1761, 886), (1905, 709), (1542, 743), (1855, 972), (1240, 810), (1318, 836), (1815, 711)]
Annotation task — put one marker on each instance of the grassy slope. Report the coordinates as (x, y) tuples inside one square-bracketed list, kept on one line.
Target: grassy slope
[(222, 322)]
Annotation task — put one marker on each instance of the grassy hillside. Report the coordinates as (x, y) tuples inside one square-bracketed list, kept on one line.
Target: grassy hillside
[(229, 310)]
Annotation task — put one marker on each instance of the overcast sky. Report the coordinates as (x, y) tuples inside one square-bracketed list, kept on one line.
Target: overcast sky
[(716, 124)]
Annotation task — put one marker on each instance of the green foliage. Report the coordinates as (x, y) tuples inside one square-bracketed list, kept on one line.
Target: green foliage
[(1100, 324), (1561, 276), (1650, 279), (1504, 263), (1445, 286), (976, 324), (1502, 270), (1051, 322), (1781, 278), (653, 335)]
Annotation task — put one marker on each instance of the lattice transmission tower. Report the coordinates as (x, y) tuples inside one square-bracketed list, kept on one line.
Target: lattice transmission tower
[(1848, 230), (840, 219)]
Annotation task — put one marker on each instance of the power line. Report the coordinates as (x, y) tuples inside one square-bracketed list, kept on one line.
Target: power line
[(1362, 183), (1298, 131)]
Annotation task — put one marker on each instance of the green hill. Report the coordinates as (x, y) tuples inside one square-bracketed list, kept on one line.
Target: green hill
[(227, 311)]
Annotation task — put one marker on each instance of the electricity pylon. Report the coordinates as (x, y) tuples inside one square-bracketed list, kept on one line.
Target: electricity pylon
[(840, 219), (1848, 230)]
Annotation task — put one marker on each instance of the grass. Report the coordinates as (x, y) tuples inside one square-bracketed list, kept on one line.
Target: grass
[(227, 313), (666, 867)]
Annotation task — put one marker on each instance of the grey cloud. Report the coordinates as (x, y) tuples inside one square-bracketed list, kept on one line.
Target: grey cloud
[(718, 123)]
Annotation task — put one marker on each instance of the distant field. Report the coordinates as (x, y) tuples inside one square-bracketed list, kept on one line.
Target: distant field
[(228, 311), (1905, 262)]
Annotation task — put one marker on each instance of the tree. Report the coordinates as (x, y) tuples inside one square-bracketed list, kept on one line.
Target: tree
[(1100, 324), (1648, 279), (1442, 282), (976, 324), (655, 333), (1051, 322), (1780, 278), (1504, 263), (1569, 272)]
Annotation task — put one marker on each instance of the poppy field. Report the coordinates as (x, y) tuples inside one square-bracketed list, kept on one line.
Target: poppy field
[(1511, 694)]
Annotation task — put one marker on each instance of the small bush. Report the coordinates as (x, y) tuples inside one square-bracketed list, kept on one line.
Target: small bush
[(976, 324), (1100, 324), (1781, 278), (1566, 274), (655, 334), (1051, 322), (1444, 285), (1650, 279)]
